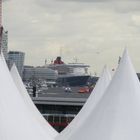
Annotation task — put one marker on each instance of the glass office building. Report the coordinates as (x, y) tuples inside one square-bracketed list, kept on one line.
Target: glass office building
[(17, 58)]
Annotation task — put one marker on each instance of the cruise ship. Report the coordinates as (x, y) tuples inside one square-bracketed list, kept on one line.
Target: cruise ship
[(71, 74)]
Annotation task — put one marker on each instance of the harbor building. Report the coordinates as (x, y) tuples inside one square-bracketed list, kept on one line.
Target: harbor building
[(17, 58), (59, 109)]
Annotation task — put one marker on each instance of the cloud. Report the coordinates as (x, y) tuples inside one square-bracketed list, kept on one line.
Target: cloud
[(5, 0), (86, 0), (127, 7), (98, 1), (95, 33)]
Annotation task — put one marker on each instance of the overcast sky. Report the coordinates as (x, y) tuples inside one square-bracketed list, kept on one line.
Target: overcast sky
[(93, 31)]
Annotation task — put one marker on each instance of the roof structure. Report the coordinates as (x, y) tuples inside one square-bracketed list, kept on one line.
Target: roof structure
[(16, 121), (112, 111), (86, 111), (117, 114), (23, 92)]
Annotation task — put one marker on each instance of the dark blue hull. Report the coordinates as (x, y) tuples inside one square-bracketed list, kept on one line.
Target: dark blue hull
[(73, 80)]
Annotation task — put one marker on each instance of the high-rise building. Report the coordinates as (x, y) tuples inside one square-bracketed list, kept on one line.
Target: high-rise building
[(5, 43), (17, 58)]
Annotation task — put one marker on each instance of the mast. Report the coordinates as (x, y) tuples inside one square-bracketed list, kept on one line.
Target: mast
[(61, 51)]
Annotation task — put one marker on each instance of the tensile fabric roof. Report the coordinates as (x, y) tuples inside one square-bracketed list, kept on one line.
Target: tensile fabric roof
[(90, 104), (117, 114), (16, 121), (36, 114)]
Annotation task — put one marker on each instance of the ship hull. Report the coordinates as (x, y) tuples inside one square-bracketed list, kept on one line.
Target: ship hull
[(72, 80)]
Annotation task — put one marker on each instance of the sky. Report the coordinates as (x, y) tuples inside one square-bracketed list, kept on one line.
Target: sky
[(94, 32)]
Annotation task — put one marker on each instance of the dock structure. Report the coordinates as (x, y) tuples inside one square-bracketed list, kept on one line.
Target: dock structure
[(59, 109)]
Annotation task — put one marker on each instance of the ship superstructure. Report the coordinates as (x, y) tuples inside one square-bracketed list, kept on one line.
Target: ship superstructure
[(71, 74)]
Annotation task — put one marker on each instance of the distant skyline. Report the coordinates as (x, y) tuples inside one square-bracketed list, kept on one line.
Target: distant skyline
[(93, 31)]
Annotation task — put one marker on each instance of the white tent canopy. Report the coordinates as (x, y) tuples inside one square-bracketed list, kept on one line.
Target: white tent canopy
[(16, 121), (117, 115), (94, 98), (36, 114)]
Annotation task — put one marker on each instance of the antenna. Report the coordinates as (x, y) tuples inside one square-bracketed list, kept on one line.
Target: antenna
[(119, 60), (45, 62), (61, 51), (76, 59)]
